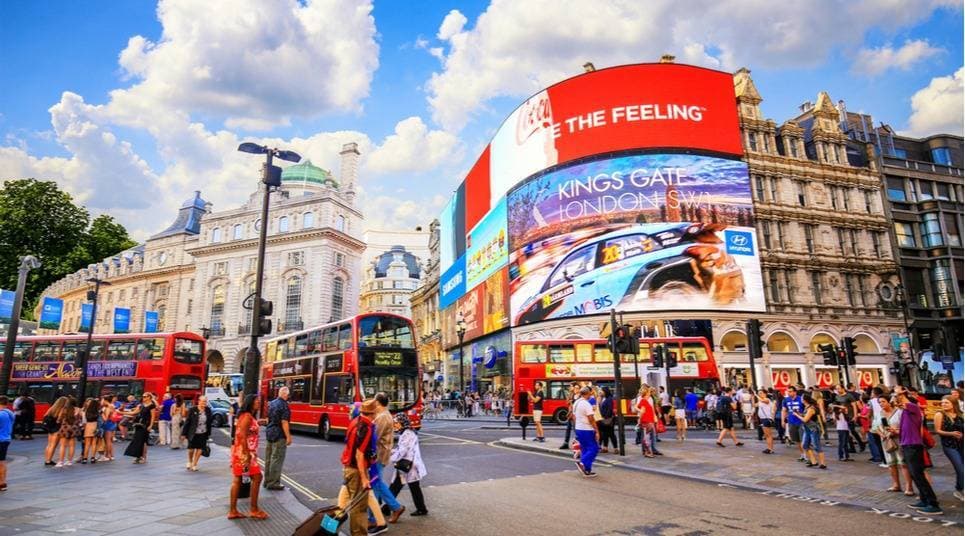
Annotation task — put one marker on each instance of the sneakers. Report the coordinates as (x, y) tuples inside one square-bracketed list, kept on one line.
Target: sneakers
[(68, 463), (930, 511), (958, 495), (378, 529), (564, 447), (883, 465), (767, 451), (589, 474), (579, 465), (918, 505), (59, 464)]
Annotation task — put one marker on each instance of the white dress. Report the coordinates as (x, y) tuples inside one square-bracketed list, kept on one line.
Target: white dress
[(408, 448)]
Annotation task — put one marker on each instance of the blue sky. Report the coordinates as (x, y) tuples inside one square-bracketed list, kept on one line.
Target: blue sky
[(133, 105)]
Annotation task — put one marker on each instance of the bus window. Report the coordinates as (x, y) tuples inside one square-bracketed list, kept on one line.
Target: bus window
[(330, 339), (602, 354), (558, 390), (97, 349), (584, 353), (47, 351), (188, 351), (42, 392), (71, 349), (562, 353), (275, 386), (284, 350), (301, 345), (694, 352), (532, 353), (120, 350), (314, 342), (22, 351), (345, 341), (150, 349), (339, 389), (384, 331), (299, 390)]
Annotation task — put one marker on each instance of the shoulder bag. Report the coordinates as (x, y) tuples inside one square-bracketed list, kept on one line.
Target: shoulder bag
[(404, 465)]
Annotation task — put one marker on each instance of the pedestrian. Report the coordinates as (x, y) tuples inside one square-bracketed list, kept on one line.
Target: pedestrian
[(178, 411), (812, 429), (196, 430), (793, 406), (92, 415), (820, 401), (890, 420), (665, 405), (357, 455), (691, 405), (747, 407), (125, 418), (384, 427), (948, 424), (646, 421), (765, 417), (164, 426), (572, 397), (26, 411), (67, 431), (584, 425), (913, 450), (778, 398), (537, 401), (710, 403), (7, 421), (874, 438), (841, 426), (680, 415), (408, 467), (379, 526), (142, 421), (279, 437), (605, 423), (109, 418), (726, 406), (851, 407), (244, 458), (51, 423)]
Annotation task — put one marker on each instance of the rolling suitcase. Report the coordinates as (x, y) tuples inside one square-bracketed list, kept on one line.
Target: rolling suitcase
[(328, 520)]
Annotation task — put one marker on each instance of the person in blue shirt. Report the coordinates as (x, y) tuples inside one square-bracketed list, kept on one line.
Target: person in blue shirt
[(164, 420), (691, 401), (7, 419), (792, 424)]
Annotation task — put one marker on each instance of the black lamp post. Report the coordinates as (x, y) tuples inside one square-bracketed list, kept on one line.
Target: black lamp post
[(461, 332), (82, 359), (271, 178), (27, 263)]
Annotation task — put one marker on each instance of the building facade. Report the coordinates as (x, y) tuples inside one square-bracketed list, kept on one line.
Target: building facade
[(425, 315), (199, 272), (389, 281)]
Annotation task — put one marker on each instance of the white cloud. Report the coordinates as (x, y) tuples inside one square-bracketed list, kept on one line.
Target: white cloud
[(516, 48), (413, 147), (937, 108), (874, 61), (389, 212)]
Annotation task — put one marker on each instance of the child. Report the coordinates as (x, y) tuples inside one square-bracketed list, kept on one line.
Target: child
[(841, 425)]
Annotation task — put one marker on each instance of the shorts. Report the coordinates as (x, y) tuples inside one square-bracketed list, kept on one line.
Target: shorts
[(726, 420), (691, 414), (537, 415), (812, 440), (90, 429), (894, 458), (767, 423), (4, 445), (794, 432), (665, 410), (679, 414)]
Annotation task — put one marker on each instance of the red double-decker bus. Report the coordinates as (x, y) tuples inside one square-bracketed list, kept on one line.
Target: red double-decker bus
[(557, 363), (329, 367), (119, 364)]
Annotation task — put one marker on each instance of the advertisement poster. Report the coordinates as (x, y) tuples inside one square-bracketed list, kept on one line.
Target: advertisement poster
[(470, 307), (495, 296), (122, 320), (150, 321), (487, 246), (6, 306), (640, 232), (67, 371), (86, 312), (51, 313), (452, 284)]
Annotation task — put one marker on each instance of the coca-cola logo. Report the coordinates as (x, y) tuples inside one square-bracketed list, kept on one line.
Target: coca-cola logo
[(534, 115)]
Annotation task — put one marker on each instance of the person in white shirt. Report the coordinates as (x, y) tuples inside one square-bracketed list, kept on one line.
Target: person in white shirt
[(584, 424), (665, 413)]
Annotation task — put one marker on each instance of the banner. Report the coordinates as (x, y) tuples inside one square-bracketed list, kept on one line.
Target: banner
[(6, 306), (150, 321), (68, 371), (86, 311), (51, 313), (122, 320)]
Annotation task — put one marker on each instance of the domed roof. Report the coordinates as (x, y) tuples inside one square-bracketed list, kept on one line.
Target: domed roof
[(383, 261), (306, 172)]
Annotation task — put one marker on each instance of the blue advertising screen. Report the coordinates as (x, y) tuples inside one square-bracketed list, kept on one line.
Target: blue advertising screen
[(452, 284), (150, 321), (122, 320), (51, 313), (6, 306)]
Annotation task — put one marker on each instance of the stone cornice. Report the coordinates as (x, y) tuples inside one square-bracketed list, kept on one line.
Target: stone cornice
[(133, 277), (276, 239), (771, 211), (827, 263), (805, 168)]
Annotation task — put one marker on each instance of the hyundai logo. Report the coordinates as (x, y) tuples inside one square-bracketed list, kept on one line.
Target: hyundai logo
[(738, 240)]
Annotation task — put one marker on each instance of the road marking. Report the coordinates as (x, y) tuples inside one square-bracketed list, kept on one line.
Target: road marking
[(459, 439), (288, 480), (606, 463)]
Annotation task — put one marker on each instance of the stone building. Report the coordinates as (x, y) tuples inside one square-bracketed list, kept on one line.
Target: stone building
[(198, 272), (425, 315), (389, 281)]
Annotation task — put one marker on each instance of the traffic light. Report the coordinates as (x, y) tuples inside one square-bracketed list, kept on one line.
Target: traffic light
[(634, 334), (657, 351), (264, 318), (627, 340), (829, 355), (670, 358), (849, 351), (619, 339), (755, 339)]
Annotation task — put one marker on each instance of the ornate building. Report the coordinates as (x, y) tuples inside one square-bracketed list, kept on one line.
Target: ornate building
[(389, 281), (199, 271), (425, 314)]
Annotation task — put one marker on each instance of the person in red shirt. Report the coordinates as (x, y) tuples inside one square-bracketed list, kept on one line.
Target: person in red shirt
[(359, 452), (648, 419)]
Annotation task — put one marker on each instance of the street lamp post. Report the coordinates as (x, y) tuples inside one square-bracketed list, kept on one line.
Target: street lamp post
[(461, 332), (903, 303), (27, 263), (270, 178), (82, 361)]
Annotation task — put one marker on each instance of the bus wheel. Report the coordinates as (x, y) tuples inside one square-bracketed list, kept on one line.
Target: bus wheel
[(561, 415), (325, 429), (218, 421)]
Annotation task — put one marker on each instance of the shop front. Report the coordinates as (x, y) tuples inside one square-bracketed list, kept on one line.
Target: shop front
[(826, 377), (492, 365), (784, 376), (868, 377)]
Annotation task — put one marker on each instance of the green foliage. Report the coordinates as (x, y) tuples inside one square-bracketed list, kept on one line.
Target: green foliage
[(38, 218)]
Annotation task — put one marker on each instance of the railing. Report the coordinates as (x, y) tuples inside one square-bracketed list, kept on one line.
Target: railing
[(288, 327), (217, 332)]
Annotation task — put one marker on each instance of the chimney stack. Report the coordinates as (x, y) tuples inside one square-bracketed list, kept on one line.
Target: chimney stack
[(667, 58)]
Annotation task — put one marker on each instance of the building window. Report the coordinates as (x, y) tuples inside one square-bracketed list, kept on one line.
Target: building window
[(896, 189), (844, 197), (283, 224), (905, 235), (901, 153), (161, 313), (849, 289), (861, 290), (339, 259), (941, 155), (189, 306), (296, 258), (808, 236), (816, 289), (868, 204), (801, 187), (221, 268), (915, 287), (252, 264), (293, 302), (912, 191), (766, 233), (217, 309), (759, 187), (773, 184), (854, 241), (340, 223), (216, 235), (952, 231), (792, 144), (781, 234), (774, 286), (931, 230), (752, 141), (941, 283), (308, 220), (942, 191), (788, 284), (767, 142), (833, 194), (876, 243), (927, 193), (239, 232), (841, 239), (338, 297)]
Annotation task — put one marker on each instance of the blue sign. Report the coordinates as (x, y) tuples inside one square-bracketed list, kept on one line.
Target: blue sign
[(739, 242), (122, 320), (51, 313), (6, 306), (150, 321), (452, 284), (489, 358), (86, 311)]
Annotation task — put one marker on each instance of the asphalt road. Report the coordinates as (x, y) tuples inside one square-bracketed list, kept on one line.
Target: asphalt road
[(475, 488)]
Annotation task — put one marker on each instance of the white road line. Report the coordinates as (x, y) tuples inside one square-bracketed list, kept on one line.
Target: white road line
[(461, 440), (288, 480)]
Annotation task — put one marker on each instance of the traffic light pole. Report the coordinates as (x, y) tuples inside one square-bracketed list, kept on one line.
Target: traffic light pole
[(618, 387), (253, 356)]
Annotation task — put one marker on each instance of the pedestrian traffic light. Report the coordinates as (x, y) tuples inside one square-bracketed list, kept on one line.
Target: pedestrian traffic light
[(829, 355), (755, 339), (620, 345), (657, 352), (670, 358), (849, 351), (263, 325), (634, 334)]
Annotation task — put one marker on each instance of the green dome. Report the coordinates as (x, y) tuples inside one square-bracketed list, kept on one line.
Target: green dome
[(307, 172)]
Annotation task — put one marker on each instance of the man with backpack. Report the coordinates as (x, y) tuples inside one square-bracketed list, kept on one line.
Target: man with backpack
[(358, 454)]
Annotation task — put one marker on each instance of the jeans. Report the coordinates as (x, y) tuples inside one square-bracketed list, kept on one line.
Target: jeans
[(874, 445), (356, 516), (843, 444), (382, 491), (569, 429), (164, 432), (915, 460), (588, 447), (653, 439), (955, 456), (811, 439), (274, 460)]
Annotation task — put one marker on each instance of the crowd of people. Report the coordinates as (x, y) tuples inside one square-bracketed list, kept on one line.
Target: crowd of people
[(493, 403)]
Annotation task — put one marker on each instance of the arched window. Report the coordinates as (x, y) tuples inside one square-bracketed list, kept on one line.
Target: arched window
[(239, 232), (283, 224), (217, 309), (340, 223), (216, 234), (338, 297), (308, 220), (293, 303)]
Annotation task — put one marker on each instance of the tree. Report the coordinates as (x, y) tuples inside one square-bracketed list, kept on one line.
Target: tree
[(105, 238)]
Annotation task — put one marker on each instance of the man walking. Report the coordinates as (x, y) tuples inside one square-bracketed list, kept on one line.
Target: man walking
[(7, 419), (279, 436), (384, 428), (793, 403), (913, 450), (584, 421), (164, 420), (356, 457)]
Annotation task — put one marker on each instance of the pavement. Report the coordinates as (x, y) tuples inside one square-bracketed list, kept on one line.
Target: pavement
[(120, 498), (859, 484)]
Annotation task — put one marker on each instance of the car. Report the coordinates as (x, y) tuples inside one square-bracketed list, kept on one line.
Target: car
[(623, 268), (220, 411)]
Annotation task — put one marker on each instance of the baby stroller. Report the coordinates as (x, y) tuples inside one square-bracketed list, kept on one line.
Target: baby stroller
[(706, 421)]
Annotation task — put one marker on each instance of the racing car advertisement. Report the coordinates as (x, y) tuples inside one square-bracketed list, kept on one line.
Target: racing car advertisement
[(633, 233)]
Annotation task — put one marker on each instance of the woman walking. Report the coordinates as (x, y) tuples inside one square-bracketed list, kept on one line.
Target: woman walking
[(143, 416), (67, 430), (409, 468), (177, 421), (109, 417), (648, 420), (948, 425), (91, 424), (841, 426), (51, 424), (680, 415), (725, 415), (197, 430), (765, 416), (813, 427), (244, 458), (891, 419), (607, 435)]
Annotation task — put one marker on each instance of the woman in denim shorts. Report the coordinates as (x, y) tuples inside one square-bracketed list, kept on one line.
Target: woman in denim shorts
[(811, 430)]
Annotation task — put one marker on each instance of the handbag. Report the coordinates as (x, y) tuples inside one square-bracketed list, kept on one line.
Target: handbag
[(889, 443), (661, 427), (404, 465), (927, 439), (245, 490), (206, 451)]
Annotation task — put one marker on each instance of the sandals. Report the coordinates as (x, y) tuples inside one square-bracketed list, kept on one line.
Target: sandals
[(258, 514), (910, 493), (739, 444), (721, 445), (236, 515), (894, 489)]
